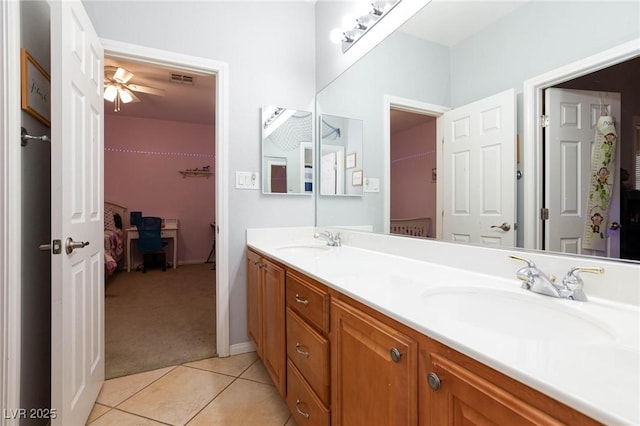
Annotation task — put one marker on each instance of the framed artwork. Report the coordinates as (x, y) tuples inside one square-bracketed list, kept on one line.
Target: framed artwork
[(356, 178), (351, 160), (36, 88)]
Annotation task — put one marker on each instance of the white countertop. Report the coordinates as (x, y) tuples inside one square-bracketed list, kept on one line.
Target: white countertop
[(599, 377)]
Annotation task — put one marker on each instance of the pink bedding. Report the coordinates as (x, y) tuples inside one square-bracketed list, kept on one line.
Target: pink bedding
[(113, 249)]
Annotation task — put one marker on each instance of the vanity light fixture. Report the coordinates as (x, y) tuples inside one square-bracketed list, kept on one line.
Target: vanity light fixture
[(274, 114), (354, 29)]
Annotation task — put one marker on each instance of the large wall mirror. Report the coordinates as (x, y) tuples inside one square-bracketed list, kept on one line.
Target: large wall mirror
[(341, 171), (287, 151), (454, 54)]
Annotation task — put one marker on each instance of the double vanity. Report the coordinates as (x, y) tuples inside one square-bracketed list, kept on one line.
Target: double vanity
[(388, 330)]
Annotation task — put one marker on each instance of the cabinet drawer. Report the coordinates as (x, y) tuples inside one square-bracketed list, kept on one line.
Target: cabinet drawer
[(309, 351), (303, 403), (308, 300)]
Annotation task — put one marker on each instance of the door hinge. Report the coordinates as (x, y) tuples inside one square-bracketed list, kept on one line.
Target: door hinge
[(442, 141), (544, 213), (544, 121)]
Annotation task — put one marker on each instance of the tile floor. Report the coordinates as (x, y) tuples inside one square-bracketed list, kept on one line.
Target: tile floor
[(216, 391)]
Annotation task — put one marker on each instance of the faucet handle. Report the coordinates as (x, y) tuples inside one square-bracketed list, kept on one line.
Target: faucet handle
[(573, 283), (572, 280), (529, 263), (526, 273)]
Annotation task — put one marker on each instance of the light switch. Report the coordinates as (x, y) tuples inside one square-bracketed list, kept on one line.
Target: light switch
[(247, 180), (371, 184)]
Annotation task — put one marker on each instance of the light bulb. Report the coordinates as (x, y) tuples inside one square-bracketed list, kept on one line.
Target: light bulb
[(110, 93), (125, 96), (363, 7), (336, 35), (348, 21)]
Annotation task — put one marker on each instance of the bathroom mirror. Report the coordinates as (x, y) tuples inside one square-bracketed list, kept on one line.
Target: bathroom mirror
[(473, 50), (341, 159), (287, 151)]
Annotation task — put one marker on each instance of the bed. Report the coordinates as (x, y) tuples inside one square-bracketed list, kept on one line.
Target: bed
[(416, 227), (113, 237)]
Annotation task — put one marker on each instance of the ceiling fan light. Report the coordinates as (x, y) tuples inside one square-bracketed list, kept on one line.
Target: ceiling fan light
[(122, 76), (125, 97), (110, 93)]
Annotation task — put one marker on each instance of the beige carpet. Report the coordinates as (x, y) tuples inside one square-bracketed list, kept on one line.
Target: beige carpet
[(159, 319)]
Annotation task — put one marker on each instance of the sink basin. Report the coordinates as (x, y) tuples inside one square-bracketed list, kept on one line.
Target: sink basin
[(513, 314), (302, 249)]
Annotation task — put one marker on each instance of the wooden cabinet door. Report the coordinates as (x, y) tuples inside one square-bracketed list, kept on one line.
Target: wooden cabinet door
[(253, 300), (367, 386), (273, 323), (465, 398)]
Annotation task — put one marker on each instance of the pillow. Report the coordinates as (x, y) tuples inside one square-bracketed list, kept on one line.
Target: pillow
[(109, 222)]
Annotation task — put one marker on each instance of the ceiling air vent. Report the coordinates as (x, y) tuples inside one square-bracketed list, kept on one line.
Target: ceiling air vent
[(181, 79)]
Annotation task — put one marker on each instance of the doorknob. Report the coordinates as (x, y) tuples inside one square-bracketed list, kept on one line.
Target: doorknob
[(70, 245), (615, 226), (505, 227)]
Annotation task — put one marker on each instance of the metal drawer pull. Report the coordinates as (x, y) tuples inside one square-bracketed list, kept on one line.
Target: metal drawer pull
[(302, 413), (303, 301), (395, 354), (303, 353), (434, 381)]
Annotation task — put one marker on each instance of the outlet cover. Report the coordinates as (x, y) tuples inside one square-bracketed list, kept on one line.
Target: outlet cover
[(371, 184)]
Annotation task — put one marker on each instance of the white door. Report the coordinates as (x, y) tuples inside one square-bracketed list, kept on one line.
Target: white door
[(569, 137), (479, 168), (77, 278), (332, 170)]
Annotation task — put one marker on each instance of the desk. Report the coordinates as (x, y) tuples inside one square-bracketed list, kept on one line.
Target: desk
[(170, 231)]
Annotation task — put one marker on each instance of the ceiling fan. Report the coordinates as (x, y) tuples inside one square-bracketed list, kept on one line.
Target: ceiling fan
[(118, 89)]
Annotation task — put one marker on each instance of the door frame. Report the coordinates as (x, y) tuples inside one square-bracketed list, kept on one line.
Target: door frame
[(10, 206), (417, 107), (126, 51), (533, 102)]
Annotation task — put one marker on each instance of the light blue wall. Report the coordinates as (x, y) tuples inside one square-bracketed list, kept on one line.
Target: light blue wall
[(402, 66), (269, 47), (536, 38)]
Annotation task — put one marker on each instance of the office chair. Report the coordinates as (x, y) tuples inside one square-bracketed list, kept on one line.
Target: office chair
[(134, 218), (150, 241)]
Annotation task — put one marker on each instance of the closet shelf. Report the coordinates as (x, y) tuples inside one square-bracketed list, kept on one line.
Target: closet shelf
[(195, 173)]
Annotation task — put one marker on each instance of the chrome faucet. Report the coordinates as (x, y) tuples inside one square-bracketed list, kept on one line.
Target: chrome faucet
[(333, 240), (537, 281)]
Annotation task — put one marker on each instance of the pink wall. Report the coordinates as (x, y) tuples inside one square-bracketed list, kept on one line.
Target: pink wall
[(142, 160), (413, 155)]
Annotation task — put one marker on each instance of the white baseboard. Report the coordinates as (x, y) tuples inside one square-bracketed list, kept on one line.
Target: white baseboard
[(241, 348)]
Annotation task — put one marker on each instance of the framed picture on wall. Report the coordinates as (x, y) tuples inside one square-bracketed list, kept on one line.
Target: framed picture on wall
[(356, 178), (36, 88), (350, 160)]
